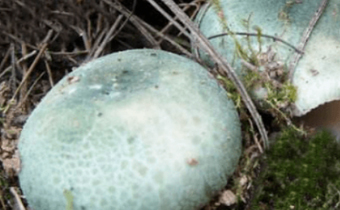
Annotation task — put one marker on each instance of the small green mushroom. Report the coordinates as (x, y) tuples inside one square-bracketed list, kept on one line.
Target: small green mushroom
[(246, 22), (140, 130)]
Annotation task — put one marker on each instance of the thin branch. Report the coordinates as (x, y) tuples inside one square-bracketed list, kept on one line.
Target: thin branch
[(18, 39), (2, 202), (262, 35), (49, 72), (107, 37), (132, 18), (29, 91), (74, 53), (4, 60), (24, 58), (30, 70), (165, 14), (24, 70), (144, 27), (305, 37), (255, 136), (14, 67), (57, 12), (83, 35), (206, 45), (17, 198), (97, 42), (163, 36), (166, 28), (134, 4)]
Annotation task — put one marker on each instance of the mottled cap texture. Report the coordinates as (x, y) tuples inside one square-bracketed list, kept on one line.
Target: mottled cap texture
[(140, 130)]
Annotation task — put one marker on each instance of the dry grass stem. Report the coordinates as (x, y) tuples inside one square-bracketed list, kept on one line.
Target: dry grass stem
[(24, 70), (25, 57), (18, 40), (118, 6), (24, 99), (108, 37), (172, 20), (17, 198), (49, 72), (4, 60), (305, 37), (275, 38), (167, 38), (30, 70)]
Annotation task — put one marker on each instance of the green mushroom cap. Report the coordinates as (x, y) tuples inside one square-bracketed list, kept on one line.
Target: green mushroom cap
[(139, 130), (315, 76)]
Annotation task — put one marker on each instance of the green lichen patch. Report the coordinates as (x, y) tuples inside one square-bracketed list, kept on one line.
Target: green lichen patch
[(299, 172)]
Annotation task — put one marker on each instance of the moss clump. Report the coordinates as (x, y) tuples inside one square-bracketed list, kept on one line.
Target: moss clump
[(299, 172)]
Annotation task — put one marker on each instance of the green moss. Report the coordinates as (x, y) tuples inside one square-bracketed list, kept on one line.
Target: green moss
[(300, 173), (231, 90), (279, 94), (252, 79), (219, 11), (280, 97)]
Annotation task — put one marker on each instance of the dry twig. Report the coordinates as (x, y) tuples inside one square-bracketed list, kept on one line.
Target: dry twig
[(108, 36), (116, 5), (14, 67), (4, 60), (17, 198), (24, 70), (30, 70), (49, 72), (185, 8), (262, 35), (163, 36), (172, 20), (25, 97), (143, 27), (18, 39), (24, 58), (305, 37)]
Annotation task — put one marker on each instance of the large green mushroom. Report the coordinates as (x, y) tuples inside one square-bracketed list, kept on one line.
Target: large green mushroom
[(139, 130), (254, 25)]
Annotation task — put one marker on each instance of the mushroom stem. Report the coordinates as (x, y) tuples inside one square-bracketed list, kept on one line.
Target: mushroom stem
[(326, 117)]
